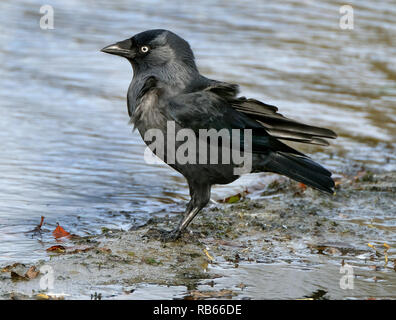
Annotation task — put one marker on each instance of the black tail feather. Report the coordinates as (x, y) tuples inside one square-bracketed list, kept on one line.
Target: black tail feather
[(301, 169)]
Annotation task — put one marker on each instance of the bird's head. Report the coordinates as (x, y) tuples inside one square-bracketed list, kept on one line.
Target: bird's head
[(153, 48)]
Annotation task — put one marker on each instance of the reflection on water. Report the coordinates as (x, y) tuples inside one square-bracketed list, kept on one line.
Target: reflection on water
[(67, 152)]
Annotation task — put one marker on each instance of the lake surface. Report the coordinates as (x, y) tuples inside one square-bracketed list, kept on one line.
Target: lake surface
[(68, 153)]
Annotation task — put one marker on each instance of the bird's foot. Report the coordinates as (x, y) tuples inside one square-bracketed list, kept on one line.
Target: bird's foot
[(163, 235)]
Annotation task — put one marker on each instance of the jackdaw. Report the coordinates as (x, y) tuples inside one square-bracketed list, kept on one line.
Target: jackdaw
[(167, 86)]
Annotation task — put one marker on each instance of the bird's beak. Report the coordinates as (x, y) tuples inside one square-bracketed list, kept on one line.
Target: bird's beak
[(122, 48)]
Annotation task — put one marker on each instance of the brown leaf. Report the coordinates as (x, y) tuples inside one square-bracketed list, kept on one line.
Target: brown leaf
[(57, 249), (17, 277), (59, 232), (32, 273), (8, 268), (302, 186), (74, 249)]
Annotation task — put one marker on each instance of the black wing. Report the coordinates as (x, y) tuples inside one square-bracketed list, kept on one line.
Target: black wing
[(212, 108), (274, 123)]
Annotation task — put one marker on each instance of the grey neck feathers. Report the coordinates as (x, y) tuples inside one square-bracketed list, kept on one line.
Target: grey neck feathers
[(175, 74)]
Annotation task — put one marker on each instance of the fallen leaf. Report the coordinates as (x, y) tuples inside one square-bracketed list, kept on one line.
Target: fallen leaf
[(232, 199), (75, 249), (302, 186), (57, 249), (59, 232), (8, 268), (18, 296), (42, 296), (385, 253), (208, 255), (371, 246), (32, 273), (235, 198), (17, 277)]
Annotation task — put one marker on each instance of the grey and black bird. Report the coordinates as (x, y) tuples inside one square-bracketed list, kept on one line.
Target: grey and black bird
[(167, 86)]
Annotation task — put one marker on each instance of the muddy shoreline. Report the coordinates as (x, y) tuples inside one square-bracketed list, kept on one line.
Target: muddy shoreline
[(288, 243)]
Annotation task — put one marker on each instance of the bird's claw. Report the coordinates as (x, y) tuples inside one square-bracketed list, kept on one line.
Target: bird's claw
[(168, 236), (163, 235)]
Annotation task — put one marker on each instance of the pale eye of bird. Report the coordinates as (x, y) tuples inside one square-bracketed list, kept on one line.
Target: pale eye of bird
[(144, 49)]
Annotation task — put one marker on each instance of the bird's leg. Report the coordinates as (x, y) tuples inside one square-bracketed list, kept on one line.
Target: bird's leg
[(165, 235), (200, 196), (185, 221)]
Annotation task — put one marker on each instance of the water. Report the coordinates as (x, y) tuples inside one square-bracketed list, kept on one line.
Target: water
[(67, 152)]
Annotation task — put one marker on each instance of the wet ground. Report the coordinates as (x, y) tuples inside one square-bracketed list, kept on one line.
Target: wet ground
[(291, 243), (67, 153)]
